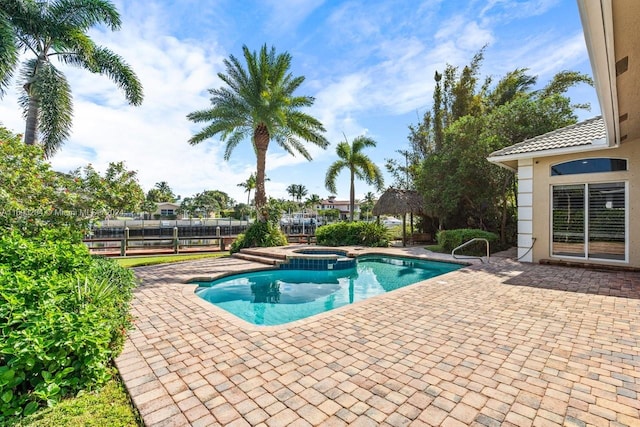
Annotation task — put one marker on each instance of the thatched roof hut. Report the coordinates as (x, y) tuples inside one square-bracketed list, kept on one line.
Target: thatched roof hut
[(400, 202)]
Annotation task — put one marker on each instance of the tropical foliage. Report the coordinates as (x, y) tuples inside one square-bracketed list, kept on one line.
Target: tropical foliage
[(258, 102), (63, 315), (351, 157), (206, 203), (115, 193), (353, 233), (447, 162), (161, 192), (57, 29), (260, 234), (249, 185), (297, 192)]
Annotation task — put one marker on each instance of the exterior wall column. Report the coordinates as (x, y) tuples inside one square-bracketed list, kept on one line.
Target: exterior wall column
[(525, 210)]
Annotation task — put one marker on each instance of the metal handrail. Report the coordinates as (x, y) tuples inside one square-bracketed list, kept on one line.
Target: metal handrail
[(475, 239)]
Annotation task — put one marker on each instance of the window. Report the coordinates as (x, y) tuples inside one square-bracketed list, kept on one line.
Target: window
[(166, 212), (589, 221), (596, 165)]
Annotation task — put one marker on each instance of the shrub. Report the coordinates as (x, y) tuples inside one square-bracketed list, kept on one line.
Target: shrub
[(259, 234), (448, 240), (353, 233), (63, 315)]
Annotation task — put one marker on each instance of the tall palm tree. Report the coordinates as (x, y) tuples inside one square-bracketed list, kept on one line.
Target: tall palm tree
[(297, 191), (350, 156), (259, 102), (58, 29), (249, 185)]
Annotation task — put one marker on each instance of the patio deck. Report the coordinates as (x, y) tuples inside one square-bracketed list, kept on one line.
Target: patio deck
[(494, 345)]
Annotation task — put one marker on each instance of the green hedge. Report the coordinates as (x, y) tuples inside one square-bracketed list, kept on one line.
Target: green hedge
[(259, 234), (448, 240), (63, 318), (353, 233)]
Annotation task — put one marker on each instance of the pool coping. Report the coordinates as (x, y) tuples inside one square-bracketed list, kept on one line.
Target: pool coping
[(189, 293)]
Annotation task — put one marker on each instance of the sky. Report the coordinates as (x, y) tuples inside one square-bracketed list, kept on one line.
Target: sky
[(369, 64)]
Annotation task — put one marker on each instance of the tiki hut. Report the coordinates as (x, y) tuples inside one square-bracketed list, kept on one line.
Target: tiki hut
[(400, 202)]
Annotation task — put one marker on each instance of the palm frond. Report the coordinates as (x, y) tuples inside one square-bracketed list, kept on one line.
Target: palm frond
[(8, 53), (50, 89), (85, 13), (332, 174), (113, 66)]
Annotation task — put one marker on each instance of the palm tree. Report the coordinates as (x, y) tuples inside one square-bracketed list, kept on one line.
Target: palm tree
[(297, 192), (58, 29), (312, 200), (359, 165), (259, 103), (249, 185)]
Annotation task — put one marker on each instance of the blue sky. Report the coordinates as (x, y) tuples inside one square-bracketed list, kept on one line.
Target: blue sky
[(368, 63)]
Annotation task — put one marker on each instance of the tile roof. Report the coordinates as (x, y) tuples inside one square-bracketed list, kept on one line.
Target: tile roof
[(583, 133)]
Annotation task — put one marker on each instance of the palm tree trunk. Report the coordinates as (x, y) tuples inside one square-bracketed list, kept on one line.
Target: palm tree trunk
[(352, 195), (31, 129), (261, 141)]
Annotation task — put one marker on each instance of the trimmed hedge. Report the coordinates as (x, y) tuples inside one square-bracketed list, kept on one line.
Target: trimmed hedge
[(353, 233), (63, 318), (448, 240)]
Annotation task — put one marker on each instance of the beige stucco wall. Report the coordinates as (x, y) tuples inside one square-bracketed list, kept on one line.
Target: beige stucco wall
[(542, 182)]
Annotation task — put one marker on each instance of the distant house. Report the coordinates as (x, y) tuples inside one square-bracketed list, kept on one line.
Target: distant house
[(166, 210), (579, 186), (344, 206)]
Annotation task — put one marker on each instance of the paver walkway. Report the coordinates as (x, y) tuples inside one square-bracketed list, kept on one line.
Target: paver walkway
[(493, 345)]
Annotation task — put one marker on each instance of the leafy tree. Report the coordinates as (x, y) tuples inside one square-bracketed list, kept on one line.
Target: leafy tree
[(350, 157), (58, 29), (459, 186), (207, 202), (259, 102), (118, 191)]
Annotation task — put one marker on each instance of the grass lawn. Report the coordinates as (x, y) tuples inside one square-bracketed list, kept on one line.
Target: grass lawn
[(109, 406), (137, 261)]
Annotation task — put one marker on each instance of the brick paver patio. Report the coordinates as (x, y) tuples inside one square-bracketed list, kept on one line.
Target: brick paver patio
[(494, 345)]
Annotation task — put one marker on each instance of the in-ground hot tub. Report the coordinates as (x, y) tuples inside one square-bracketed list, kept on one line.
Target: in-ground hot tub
[(318, 259)]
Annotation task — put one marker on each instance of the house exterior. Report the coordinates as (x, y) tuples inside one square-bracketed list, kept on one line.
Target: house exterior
[(579, 186), (166, 209), (344, 206)]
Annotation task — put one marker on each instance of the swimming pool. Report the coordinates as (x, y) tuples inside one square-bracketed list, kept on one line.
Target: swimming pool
[(275, 297)]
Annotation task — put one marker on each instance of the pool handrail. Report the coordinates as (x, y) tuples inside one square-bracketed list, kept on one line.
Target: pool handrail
[(475, 239)]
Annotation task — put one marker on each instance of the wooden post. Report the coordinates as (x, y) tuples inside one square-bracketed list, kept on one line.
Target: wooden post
[(176, 241), (124, 242)]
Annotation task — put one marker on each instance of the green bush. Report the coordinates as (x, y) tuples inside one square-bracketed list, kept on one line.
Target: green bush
[(63, 315), (448, 240), (259, 234), (353, 233)]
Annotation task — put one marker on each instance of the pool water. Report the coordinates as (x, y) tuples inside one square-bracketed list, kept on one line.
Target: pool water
[(274, 297)]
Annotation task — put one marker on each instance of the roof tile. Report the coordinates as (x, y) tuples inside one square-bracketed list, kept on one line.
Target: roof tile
[(583, 133)]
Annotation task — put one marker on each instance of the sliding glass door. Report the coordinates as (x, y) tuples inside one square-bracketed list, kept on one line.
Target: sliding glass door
[(589, 221)]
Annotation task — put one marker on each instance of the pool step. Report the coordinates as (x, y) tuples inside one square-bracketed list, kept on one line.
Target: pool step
[(260, 256)]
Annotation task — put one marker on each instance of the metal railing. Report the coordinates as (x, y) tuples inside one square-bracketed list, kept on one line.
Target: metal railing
[(476, 239)]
